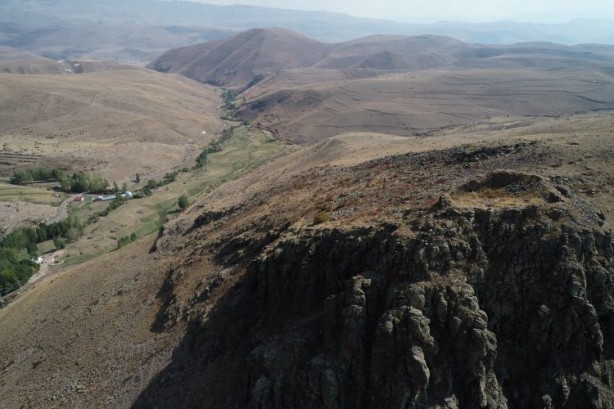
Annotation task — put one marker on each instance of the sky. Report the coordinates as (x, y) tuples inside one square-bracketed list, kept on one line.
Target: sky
[(548, 11)]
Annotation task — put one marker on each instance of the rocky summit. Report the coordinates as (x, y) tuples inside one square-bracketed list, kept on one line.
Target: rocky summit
[(444, 305)]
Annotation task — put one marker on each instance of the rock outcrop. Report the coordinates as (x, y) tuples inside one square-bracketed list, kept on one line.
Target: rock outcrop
[(447, 308)]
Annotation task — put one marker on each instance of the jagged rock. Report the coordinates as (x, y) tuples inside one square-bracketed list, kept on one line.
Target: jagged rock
[(476, 309)]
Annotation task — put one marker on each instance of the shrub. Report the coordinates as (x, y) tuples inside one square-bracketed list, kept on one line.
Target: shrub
[(182, 202), (321, 217)]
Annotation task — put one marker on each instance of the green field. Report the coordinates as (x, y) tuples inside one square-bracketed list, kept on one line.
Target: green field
[(247, 148), (37, 193)]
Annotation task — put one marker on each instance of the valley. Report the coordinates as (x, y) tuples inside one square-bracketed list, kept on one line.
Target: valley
[(384, 222), (206, 260)]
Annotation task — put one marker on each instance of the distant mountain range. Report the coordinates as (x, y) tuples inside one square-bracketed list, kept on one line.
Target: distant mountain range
[(244, 59), (137, 30), (304, 90)]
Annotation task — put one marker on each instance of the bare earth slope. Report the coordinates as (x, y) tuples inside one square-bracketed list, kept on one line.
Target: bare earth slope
[(238, 60), (418, 103), (14, 61), (469, 269), (394, 84), (244, 59), (117, 122)]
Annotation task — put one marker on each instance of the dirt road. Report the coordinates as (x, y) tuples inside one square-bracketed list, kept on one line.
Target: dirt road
[(61, 212)]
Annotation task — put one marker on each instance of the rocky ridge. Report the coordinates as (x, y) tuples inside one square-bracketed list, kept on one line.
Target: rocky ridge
[(446, 305)]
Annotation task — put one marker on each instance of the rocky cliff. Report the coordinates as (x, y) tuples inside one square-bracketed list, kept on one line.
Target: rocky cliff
[(444, 307)]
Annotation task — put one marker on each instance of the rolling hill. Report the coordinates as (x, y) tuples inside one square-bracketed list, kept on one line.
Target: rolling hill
[(361, 263), (242, 59), (117, 122), (106, 21), (245, 59), (394, 84), (438, 233)]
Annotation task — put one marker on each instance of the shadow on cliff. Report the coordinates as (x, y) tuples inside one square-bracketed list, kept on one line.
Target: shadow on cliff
[(370, 318), (202, 372)]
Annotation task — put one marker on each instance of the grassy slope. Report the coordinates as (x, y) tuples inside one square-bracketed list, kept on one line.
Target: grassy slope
[(116, 122), (246, 149)]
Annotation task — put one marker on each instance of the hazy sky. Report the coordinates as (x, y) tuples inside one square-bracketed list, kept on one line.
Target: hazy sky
[(467, 10)]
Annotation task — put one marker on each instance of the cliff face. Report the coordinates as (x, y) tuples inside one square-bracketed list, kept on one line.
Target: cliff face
[(447, 307)]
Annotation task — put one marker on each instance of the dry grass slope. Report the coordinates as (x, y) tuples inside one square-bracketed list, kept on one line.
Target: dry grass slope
[(97, 334), (116, 122)]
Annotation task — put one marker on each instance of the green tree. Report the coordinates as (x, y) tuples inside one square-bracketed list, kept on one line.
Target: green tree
[(59, 243), (32, 249), (182, 202), (8, 281)]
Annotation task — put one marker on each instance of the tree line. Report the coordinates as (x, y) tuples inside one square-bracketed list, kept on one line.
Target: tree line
[(24, 176), (213, 147), (16, 268), (78, 182), (15, 271), (154, 184)]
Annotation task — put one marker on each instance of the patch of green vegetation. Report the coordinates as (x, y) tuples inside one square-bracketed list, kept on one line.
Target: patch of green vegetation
[(71, 260), (154, 184), (39, 193), (155, 219), (182, 202), (15, 270), (121, 242), (229, 110), (24, 176), (242, 148), (114, 204), (78, 182)]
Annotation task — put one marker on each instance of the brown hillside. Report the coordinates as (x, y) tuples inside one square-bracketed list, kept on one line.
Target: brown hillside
[(243, 58), (475, 265), (14, 61), (417, 103), (395, 84), (246, 58), (116, 122), (394, 53)]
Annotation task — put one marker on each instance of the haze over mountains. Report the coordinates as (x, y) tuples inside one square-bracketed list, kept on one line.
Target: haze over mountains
[(137, 30)]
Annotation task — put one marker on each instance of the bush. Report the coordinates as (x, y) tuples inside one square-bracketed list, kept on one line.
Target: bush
[(321, 217), (125, 240), (8, 281), (59, 243), (182, 202)]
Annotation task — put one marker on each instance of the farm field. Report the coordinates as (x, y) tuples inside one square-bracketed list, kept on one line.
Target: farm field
[(21, 204), (246, 149)]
